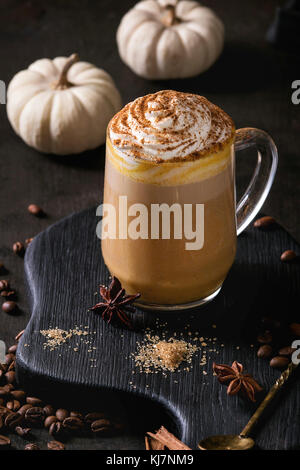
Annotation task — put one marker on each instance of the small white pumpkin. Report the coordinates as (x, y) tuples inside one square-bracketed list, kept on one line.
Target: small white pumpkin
[(161, 39), (62, 106)]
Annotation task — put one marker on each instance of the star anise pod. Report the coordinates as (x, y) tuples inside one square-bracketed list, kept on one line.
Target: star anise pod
[(237, 381), (115, 303)]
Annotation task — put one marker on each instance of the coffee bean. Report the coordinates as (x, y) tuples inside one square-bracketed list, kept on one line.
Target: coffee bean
[(18, 248), (265, 351), (279, 362), (8, 294), (286, 351), (264, 222), (33, 401), (4, 442), (49, 410), (9, 307), (19, 335), (73, 423), (265, 337), (55, 445), (76, 414), (35, 415), (23, 409), (62, 414), (288, 255), (13, 419), (57, 430), (8, 388), (50, 420), (4, 412), (31, 446), (13, 349), (23, 432), (9, 358), (13, 405), (1, 422), (4, 284), (10, 376), (103, 427), (18, 395), (90, 417), (295, 329), (36, 210), (3, 392)]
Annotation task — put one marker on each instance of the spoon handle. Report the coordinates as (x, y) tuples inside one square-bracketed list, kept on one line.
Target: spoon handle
[(269, 397)]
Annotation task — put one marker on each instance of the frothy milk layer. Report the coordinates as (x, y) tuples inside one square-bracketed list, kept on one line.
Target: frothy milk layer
[(170, 126), (167, 173)]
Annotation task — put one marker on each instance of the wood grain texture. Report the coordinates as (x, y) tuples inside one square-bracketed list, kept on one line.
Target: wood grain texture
[(64, 267), (251, 81)]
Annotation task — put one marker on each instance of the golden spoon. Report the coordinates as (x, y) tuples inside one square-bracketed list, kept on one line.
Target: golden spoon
[(243, 441)]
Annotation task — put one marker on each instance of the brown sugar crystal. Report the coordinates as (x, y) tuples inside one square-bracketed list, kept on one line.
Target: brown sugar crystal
[(166, 355)]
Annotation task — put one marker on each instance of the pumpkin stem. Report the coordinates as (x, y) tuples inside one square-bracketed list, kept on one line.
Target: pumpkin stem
[(169, 18), (63, 82)]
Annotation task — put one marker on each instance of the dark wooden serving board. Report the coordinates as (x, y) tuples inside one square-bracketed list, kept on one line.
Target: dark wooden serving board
[(64, 267)]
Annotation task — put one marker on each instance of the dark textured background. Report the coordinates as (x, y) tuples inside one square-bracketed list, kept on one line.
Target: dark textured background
[(251, 81)]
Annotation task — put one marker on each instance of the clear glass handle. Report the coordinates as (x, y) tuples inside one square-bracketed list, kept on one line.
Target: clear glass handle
[(263, 176)]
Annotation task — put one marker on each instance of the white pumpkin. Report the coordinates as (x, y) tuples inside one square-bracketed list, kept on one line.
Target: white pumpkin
[(62, 106), (161, 39)]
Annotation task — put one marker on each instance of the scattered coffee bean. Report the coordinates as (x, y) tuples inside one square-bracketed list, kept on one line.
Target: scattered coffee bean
[(19, 335), (13, 420), (279, 362), (288, 255), (49, 410), (23, 432), (18, 395), (295, 329), (33, 401), (62, 414), (90, 417), (23, 409), (36, 210), (265, 351), (10, 377), (50, 420), (265, 338), (8, 294), (103, 427), (9, 358), (286, 351), (18, 248), (264, 222), (31, 446), (9, 306), (35, 415), (13, 349), (13, 405), (4, 412), (76, 414), (57, 430), (55, 445), (73, 424), (4, 442), (4, 284)]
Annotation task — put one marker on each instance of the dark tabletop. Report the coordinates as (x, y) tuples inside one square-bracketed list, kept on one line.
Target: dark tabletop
[(251, 81)]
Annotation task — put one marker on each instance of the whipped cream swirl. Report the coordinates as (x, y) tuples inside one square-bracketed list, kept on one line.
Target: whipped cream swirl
[(170, 125)]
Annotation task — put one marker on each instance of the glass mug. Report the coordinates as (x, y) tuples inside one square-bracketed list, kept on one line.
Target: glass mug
[(173, 272)]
